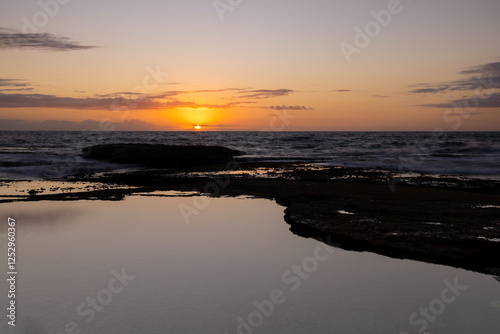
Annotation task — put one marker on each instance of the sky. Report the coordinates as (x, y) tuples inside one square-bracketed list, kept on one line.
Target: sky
[(231, 65)]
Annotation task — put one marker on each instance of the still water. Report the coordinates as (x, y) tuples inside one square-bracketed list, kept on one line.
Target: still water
[(137, 266)]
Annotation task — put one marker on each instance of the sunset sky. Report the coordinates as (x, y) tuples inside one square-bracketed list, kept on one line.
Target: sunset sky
[(250, 64)]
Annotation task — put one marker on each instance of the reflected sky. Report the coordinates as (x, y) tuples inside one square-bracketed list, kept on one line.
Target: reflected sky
[(201, 277)]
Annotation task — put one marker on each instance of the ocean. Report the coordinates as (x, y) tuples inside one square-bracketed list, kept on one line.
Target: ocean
[(48, 155)]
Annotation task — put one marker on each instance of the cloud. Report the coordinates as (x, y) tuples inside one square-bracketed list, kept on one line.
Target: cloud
[(52, 101), (482, 84), (88, 125), (168, 94), (210, 90), (213, 126), (117, 94), (133, 100), (340, 91), (380, 96), (462, 114), (96, 103), (283, 107), (483, 70), (486, 76), (16, 89), (16, 94), (12, 39), (487, 100), (13, 83), (264, 93), (437, 89)]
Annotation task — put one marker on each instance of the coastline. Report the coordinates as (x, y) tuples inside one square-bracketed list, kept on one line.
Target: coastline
[(442, 220)]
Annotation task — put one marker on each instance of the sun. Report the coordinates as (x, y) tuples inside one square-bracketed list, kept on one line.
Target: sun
[(197, 127)]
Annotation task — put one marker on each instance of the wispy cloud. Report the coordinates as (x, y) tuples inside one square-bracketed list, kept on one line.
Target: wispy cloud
[(21, 89), (244, 97), (13, 39), (340, 90), (491, 101), (462, 114), (89, 125), (264, 93), (481, 88), (483, 70), (168, 94), (479, 77), (211, 90), (96, 103), (283, 107), (426, 89), (201, 91), (214, 126), (14, 85)]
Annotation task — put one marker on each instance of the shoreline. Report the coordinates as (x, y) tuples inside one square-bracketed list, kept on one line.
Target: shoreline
[(441, 220)]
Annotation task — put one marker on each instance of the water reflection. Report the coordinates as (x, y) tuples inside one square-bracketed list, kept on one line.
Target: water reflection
[(209, 276)]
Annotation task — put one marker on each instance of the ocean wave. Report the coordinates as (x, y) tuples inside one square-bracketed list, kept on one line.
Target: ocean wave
[(55, 154)]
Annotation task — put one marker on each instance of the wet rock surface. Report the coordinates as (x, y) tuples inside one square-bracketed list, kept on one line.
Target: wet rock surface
[(160, 155), (436, 219)]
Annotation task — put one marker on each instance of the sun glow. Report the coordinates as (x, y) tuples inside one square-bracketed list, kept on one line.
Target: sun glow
[(197, 127), (196, 116)]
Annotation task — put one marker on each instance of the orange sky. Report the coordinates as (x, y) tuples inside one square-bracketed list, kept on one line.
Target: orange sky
[(327, 65)]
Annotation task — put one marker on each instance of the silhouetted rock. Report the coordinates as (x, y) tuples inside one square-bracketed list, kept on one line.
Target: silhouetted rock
[(160, 155)]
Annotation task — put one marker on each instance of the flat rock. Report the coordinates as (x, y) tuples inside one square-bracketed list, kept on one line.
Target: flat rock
[(157, 155)]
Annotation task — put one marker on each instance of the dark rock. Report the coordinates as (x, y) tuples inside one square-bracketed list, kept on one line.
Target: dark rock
[(160, 155)]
